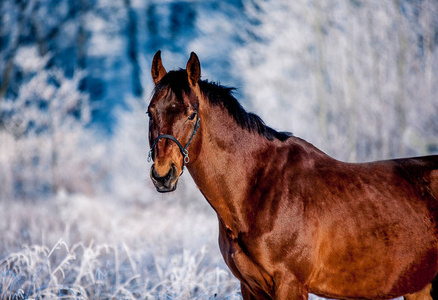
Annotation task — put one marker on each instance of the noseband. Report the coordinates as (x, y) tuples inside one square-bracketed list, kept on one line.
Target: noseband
[(183, 150)]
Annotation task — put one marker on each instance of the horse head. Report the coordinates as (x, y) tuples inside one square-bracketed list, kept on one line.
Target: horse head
[(173, 121)]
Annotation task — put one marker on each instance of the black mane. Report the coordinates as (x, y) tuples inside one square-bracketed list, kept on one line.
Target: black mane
[(223, 96)]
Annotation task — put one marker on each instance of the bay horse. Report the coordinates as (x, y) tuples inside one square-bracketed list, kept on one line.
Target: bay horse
[(293, 220)]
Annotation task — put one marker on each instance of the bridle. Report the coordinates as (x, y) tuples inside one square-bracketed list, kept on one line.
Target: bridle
[(184, 151)]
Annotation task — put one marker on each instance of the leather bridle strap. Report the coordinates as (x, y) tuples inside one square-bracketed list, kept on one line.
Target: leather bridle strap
[(183, 150)]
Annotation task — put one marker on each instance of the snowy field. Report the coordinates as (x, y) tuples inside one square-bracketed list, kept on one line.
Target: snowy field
[(78, 247)]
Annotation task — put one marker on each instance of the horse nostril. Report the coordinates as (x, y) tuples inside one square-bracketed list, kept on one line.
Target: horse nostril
[(166, 178), (174, 170)]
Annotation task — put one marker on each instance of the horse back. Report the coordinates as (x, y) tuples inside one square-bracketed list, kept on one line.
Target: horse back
[(421, 172), (421, 175)]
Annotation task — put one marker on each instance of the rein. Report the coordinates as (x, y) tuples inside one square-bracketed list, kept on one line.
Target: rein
[(184, 151)]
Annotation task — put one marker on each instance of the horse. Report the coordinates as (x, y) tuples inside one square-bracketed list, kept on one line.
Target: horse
[(293, 220)]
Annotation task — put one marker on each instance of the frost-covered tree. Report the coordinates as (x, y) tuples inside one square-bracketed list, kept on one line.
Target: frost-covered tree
[(357, 78), (46, 123)]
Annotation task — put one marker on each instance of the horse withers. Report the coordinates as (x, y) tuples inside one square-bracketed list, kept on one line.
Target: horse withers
[(293, 220)]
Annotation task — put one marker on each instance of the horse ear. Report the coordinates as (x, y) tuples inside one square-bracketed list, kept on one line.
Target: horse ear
[(193, 69), (157, 70)]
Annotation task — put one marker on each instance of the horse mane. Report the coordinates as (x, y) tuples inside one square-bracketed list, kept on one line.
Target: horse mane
[(223, 96)]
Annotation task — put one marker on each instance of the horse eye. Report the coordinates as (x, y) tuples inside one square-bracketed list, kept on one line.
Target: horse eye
[(192, 116)]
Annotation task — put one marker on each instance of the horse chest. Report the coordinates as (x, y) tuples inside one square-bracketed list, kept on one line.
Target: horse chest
[(242, 264)]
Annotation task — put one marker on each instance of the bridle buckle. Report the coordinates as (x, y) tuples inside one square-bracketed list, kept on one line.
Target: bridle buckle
[(186, 156)]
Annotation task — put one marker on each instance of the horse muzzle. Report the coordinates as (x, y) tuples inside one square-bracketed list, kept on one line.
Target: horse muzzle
[(166, 183)]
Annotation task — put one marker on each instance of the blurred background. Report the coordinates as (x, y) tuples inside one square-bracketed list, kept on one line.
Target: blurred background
[(356, 78)]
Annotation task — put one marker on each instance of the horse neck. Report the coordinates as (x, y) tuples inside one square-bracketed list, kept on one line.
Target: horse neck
[(225, 162)]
